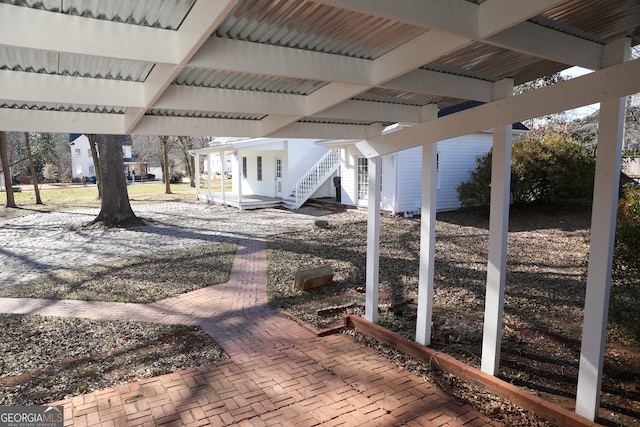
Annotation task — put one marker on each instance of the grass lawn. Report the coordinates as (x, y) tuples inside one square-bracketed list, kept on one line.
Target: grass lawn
[(57, 197)]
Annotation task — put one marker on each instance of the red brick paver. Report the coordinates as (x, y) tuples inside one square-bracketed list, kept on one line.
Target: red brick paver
[(278, 374)]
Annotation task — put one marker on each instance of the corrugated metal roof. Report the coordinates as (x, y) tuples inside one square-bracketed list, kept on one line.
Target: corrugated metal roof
[(166, 14), (336, 121), (203, 114), (393, 96), (242, 81), (306, 25), (65, 64), (63, 107), (491, 63), (615, 19)]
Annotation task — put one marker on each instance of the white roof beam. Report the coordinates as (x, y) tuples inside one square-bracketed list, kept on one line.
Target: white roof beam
[(373, 112), (485, 22), (191, 98), (201, 21), (324, 131), (414, 54), (29, 28), (161, 125), (441, 84), (403, 59), (20, 120), (48, 88), (533, 39), (247, 57), (604, 85)]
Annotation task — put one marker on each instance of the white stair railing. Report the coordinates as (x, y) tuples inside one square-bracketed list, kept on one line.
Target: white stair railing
[(314, 178)]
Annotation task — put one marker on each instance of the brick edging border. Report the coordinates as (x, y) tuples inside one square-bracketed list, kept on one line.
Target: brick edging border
[(305, 325), (517, 395)]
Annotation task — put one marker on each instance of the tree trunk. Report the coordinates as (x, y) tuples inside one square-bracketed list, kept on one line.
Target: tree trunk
[(191, 161), (34, 177), (6, 169), (165, 172), (115, 210), (96, 163)]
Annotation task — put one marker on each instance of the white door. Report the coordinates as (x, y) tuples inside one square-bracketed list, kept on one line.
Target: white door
[(278, 177), (362, 180)]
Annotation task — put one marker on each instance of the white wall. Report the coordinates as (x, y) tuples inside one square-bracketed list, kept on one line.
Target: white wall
[(302, 155), (402, 173), (409, 170), (457, 158), (84, 160), (250, 183), (348, 170)]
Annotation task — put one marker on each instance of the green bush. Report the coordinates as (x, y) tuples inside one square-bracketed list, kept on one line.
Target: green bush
[(624, 309), (626, 258), (544, 169), (176, 176)]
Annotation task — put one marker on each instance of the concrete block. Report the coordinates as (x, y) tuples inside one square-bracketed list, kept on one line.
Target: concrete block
[(313, 277)]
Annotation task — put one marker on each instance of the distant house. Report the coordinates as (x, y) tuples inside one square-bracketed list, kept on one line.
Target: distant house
[(267, 172), (401, 187), (82, 160), (281, 172)]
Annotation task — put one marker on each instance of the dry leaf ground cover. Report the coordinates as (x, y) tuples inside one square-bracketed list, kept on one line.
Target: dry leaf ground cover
[(44, 359), (545, 290)]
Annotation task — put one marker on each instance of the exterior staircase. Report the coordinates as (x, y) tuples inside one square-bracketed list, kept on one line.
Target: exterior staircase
[(312, 180)]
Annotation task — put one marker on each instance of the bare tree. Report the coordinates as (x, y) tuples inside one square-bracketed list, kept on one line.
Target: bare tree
[(185, 144), (115, 209), (34, 177), (166, 147), (4, 158), (96, 163)]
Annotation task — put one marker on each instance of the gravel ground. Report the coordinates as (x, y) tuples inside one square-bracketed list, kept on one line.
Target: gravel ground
[(45, 359)]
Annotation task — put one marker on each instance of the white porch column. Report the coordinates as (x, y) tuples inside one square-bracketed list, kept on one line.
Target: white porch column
[(603, 223), (427, 239), (209, 173), (240, 176), (222, 164), (373, 239), (498, 233), (197, 171)]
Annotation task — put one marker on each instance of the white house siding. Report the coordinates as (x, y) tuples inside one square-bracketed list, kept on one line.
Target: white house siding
[(303, 154), (389, 183), (409, 170), (457, 159), (81, 159), (250, 183), (348, 170), (402, 173)]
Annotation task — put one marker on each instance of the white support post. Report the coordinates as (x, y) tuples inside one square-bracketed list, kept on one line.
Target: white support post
[(427, 239), (498, 234), (373, 239), (603, 223), (209, 174), (197, 162), (222, 172), (240, 176)]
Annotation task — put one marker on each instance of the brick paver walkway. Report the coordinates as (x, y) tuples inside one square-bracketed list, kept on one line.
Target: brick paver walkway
[(278, 373)]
